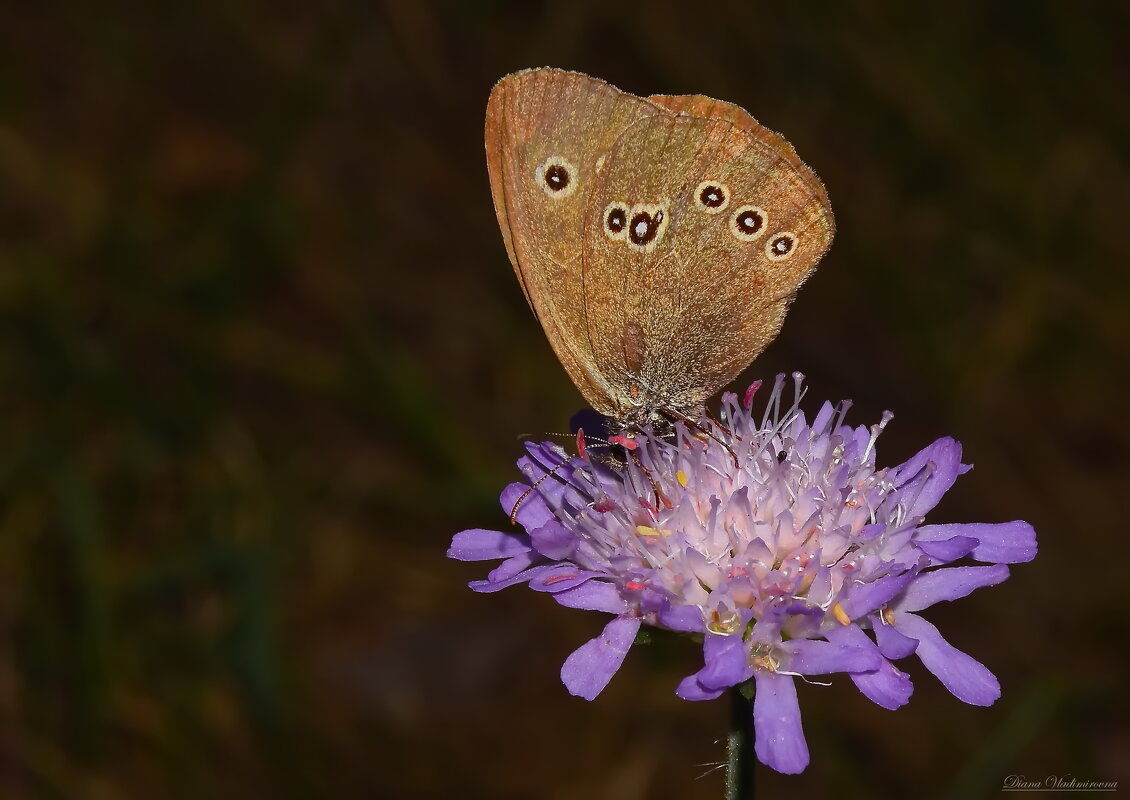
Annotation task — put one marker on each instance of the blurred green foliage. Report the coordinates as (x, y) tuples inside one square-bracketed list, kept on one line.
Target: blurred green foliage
[(261, 354)]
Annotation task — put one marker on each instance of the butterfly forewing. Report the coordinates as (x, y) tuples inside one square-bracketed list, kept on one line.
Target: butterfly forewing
[(701, 106), (538, 120)]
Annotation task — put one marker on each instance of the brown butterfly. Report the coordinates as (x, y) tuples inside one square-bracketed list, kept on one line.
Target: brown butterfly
[(659, 240)]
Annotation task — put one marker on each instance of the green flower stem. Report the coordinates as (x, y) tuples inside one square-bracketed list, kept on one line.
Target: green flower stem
[(739, 744)]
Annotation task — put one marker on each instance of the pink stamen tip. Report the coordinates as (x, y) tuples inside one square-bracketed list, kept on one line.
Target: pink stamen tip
[(747, 401), (624, 441), (634, 586), (582, 449), (603, 505)]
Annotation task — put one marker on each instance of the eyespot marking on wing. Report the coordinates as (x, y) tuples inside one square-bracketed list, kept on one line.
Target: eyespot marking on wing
[(780, 246), (647, 222), (748, 223), (712, 197), (557, 177), (614, 221)]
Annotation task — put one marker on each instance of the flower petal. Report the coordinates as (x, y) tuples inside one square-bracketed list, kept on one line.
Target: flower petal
[(812, 657), (560, 577), (590, 667), (866, 597), (479, 544), (1000, 543), (892, 644), (947, 550), (593, 595), (966, 678), (948, 584), (725, 662), (777, 734), (512, 566), (493, 583), (690, 689), (553, 540), (823, 417), (682, 618), (945, 455), (887, 686)]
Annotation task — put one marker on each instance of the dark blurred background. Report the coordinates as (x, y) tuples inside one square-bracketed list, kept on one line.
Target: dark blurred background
[(262, 354)]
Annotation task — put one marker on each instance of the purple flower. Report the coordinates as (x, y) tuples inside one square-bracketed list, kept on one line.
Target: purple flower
[(777, 540)]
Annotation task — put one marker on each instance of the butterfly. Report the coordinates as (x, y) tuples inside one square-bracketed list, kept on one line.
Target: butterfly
[(658, 240)]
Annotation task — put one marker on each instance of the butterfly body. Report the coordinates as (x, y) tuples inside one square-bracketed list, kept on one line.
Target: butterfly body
[(658, 240)]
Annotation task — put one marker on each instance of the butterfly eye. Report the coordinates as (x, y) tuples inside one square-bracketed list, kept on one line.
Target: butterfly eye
[(557, 177), (780, 246), (712, 197), (616, 220), (748, 223)]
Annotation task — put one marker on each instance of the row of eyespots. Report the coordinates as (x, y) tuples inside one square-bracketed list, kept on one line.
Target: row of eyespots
[(748, 223), (643, 225)]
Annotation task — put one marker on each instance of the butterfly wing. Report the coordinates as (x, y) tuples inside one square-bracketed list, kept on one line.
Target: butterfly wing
[(547, 134), (677, 311), (698, 105), (651, 296)]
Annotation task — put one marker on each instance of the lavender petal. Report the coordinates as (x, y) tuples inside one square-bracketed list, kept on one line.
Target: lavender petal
[(560, 577), (811, 657), (590, 667), (1000, 543), (886, 686), (553, 540), (947, 550), (867, 597), (778, 737), (966, 678), (945, 455), (479, 544), (892, 644), (726, 663), (593, 595), (491, 585), (690, 689), (948, 584)]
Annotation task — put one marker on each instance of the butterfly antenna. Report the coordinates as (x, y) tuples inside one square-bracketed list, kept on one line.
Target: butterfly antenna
[(582, 450), (719, 424), (522, 497), (583, 440), (529, 437), (660, 496)]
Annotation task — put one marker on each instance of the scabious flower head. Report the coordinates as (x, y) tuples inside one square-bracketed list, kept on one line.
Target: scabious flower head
[(779, 541)]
